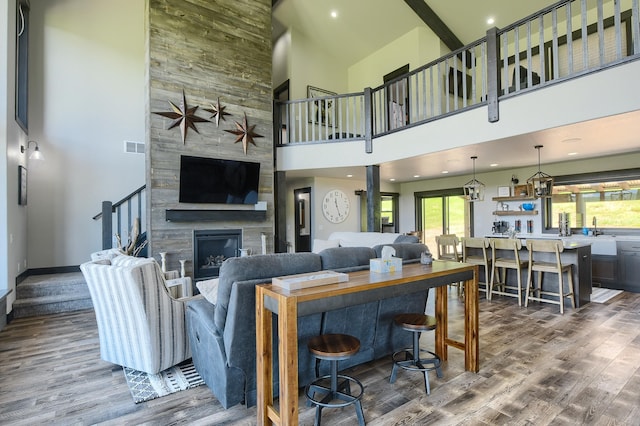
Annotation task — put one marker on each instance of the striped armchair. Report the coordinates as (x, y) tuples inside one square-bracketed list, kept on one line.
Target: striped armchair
[(140, 325)]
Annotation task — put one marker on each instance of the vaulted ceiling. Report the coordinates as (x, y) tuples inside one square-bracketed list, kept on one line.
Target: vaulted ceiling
[(364, 26)]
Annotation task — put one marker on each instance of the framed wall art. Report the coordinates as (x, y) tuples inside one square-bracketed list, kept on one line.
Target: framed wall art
[(22, 186), (322, 110)]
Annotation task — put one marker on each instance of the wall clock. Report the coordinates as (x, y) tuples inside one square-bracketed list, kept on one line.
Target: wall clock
[(335, 206)]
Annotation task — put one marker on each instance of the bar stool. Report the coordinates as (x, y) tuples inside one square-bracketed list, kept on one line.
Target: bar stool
[(410, 359), (447, 245), (548, 246), (478, 259), (333, 348), (499, 261)]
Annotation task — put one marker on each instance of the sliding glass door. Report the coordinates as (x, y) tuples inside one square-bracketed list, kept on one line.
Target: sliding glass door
[(441, 212)]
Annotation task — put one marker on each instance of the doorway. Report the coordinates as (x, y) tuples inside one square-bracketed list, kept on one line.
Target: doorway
[(302, 207), (397, 98)]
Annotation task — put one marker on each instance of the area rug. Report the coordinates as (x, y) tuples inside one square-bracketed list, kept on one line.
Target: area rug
[(602, 295), (145, 387)]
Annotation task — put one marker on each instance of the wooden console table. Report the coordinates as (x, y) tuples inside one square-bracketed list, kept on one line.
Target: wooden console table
[(366, 286)]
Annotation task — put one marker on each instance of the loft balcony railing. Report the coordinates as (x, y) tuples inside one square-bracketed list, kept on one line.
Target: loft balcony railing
[(563, 41)]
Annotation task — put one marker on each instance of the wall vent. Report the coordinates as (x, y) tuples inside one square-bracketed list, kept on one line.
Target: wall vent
[(133, 147)]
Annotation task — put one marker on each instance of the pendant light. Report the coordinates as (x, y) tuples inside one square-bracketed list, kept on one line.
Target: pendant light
[(541, 183), (474, 189)]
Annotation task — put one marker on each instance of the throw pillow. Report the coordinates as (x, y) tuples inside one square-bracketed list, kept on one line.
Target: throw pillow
[(209, 289), (319, 245)]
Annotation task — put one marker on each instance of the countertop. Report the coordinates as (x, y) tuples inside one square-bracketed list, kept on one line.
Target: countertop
[(600, 245)]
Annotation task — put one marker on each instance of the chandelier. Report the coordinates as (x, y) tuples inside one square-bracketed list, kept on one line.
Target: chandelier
[(474, 189), (541, 183)]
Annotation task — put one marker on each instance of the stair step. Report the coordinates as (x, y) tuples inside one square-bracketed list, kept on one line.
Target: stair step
[(51, 285), (50, 294), (50, 305)]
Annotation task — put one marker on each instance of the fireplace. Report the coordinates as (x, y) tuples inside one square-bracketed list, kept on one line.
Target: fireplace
[(211, 248)]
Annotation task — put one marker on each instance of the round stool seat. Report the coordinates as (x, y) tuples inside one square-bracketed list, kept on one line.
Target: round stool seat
[(416, 322), (333, 346), (334, 390), (412, 358)]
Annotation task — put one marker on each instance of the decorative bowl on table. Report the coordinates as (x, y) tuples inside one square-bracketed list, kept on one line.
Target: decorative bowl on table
[(528, 206)]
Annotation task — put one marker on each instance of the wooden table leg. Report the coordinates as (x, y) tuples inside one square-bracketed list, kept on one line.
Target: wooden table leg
[(471, 324), (288, 351), (442, 318), (264, 361)]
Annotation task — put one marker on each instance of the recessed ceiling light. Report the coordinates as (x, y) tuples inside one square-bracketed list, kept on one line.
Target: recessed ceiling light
[(416, 176), (444, 172), (493, 165), (349, 176), (392, 179), (490, 21), (334, 14), (571, 140), (572, 153)]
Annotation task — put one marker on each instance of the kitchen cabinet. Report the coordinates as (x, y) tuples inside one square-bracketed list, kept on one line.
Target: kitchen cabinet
[(604, 271), (629, 265)]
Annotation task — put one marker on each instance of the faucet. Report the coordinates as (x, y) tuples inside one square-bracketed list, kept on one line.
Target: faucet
[(595, 226)]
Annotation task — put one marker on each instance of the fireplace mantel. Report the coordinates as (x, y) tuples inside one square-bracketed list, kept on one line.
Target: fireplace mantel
[(182, 215)]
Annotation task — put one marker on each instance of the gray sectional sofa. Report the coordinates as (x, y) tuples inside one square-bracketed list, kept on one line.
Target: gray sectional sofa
[(223, 336)]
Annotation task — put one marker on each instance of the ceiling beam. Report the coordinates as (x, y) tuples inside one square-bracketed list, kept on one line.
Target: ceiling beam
[(434, 22)]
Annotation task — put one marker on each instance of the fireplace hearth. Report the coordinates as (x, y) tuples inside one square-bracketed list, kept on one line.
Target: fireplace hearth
[(211, 247)]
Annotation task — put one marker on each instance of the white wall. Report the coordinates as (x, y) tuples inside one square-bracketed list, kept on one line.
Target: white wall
[(13, 218), (87, 95), (416, 48), (312, 66), (321, 228), (281, 59)]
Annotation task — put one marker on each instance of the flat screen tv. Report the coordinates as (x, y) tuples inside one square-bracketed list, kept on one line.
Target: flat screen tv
[(211, 180)]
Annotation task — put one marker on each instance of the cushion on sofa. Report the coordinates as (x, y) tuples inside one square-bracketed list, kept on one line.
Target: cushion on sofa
[(349, 258), (405, 239), (260, 267), (319, 245)]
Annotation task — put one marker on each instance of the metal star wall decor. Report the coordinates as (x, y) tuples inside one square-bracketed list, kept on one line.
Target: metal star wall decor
[(184, 116), (245, 134), (218, 111)]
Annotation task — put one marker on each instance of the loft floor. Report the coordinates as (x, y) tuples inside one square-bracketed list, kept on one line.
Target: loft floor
[(536, 367)]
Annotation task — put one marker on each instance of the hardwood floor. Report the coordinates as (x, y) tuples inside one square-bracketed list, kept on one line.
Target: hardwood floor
[(536, 367)]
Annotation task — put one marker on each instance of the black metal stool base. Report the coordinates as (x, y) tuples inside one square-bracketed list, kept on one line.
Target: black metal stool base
[(334, 392), (405, 359)]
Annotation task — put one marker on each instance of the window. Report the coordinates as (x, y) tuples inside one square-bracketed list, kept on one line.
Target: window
[(441, 212), (22, 64), (608, 200), (389, 212)]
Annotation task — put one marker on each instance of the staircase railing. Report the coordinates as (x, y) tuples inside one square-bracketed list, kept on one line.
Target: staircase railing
[(112, 217)]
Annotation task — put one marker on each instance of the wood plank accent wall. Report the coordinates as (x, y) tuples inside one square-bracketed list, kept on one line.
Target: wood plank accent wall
[(209, 49)]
